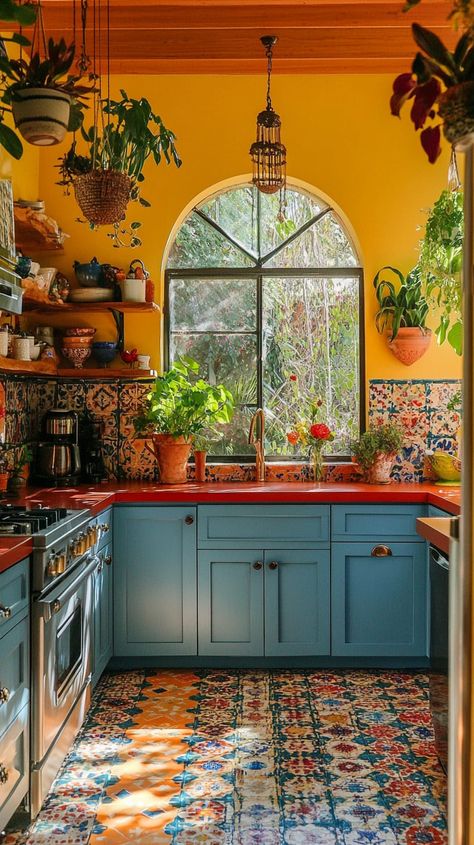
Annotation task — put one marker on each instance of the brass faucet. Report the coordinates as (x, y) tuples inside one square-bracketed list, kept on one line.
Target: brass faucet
[(259, 442)]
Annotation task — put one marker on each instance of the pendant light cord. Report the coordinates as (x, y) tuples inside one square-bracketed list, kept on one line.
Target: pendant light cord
[(269, 54)]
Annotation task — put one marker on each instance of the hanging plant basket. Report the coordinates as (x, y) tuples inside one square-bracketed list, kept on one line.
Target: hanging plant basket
[(41, 115), (456, 108), (410, 344), (103, 195)]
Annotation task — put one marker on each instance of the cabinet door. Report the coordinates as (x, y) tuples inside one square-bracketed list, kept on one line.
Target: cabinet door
[(231, 602), (14, 672), (14, 765), (379, 603), (103, 619), (155, 581), (297, 603)]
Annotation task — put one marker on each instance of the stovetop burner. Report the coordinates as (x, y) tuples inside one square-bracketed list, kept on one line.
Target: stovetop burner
[(19, 519)]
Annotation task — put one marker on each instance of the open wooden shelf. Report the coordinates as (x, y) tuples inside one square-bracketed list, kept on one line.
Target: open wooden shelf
[(35, 231), (70, 307), (105, 372), (37, 368)]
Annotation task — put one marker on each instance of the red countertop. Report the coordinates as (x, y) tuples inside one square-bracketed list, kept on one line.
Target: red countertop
[(101, 496), (436, 531)]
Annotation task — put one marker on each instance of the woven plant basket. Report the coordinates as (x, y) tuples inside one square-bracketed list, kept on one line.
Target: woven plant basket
[(456, 108), (103, 195)]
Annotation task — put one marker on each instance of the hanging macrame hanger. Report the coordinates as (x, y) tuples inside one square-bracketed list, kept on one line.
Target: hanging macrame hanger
[(454, 182)]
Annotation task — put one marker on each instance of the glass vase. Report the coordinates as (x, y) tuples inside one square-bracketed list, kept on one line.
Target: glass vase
[(317, 463)]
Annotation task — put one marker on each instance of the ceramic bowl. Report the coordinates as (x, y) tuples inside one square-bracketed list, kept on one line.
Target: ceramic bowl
[(446, 467), (89, 273), (80, 331), (77, 355), (104, 351), (72, 342)]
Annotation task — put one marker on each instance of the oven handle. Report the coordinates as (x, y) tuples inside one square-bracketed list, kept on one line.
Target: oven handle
[(55, 601)]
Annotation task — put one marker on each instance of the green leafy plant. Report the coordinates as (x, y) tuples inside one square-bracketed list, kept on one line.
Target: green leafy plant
[(384, 439), (183, 405), (130, 134), (405, 307), (434, 71), (440, 265)]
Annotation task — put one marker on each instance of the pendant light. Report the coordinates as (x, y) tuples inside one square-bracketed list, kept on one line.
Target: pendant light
[(267, 152)]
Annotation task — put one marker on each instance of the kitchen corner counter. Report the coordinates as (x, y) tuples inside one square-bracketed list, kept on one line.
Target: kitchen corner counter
[(436, 531), (14, 549)]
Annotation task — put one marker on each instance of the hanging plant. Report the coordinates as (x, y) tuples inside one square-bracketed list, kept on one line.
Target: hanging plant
[(402, 314), (110, 172), (440, 265)]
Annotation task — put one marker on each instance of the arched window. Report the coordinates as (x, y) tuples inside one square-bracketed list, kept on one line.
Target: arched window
[(256, 296)]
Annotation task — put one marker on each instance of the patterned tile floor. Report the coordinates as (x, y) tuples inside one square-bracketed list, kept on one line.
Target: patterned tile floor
[(250, 758)]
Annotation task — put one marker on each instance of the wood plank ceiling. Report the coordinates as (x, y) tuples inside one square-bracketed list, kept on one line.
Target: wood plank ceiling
[(222, 36)]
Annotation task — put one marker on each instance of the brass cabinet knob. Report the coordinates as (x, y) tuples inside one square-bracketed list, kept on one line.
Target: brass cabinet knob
[(4, 695), (381, 551), (108, 560), (3, 773), (257, 565), (273, 565), (189, 520), (5, 612)]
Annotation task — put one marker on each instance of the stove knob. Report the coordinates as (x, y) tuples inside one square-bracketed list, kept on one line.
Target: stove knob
[(104, 527), (81, 544), (3, 773), (61, 562), (52, 568), (4, 695)]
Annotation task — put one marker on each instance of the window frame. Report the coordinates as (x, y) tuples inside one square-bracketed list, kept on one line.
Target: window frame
[(258, 274)]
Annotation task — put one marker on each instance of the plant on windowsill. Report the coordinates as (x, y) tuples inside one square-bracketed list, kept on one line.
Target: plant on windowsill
[(402, 314), (440, 265), (35, 87), (110, 172), (376, 450), (179, 407), (311, 433)]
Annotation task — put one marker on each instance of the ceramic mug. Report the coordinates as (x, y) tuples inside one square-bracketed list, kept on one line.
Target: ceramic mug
[(21, 348), (143, 362), (4, 343)]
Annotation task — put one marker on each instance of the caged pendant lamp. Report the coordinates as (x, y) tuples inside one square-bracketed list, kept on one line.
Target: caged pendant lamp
[(268, 154)]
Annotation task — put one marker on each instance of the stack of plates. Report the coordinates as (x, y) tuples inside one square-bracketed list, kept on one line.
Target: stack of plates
[(91, 295)]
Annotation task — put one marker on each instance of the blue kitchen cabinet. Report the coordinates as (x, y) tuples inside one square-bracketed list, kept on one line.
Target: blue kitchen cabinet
[(379, 603), (380, 523), (230, 604), (297, 603), (155, 581), (263, 526), (273, 603), (103, 613)]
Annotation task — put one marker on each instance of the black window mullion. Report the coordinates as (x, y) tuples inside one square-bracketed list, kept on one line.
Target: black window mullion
[(260, 341)]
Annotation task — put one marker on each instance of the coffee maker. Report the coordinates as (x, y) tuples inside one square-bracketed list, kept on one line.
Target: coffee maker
[(57, 456)]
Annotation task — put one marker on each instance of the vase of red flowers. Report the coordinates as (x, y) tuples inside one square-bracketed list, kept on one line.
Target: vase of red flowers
[(315, 435)]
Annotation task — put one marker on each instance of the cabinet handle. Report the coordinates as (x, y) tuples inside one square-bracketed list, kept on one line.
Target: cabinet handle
[(4, 695), (100, 566), (189, 520), (5, 612), (381, 551), (257, 565), (3, 773), (273, 565), (108, 560)]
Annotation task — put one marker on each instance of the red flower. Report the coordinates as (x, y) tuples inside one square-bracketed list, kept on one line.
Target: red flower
[(293, 377), (292, 437), (320, 431)]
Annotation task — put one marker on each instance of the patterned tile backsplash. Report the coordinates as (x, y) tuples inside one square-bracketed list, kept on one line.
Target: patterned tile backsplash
[(419, 406)]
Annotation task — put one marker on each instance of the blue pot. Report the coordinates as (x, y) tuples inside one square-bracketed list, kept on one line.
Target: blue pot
[(88, 275), (104, 351)]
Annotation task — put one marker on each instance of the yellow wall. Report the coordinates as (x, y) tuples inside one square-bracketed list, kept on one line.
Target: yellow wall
[(340, 138)]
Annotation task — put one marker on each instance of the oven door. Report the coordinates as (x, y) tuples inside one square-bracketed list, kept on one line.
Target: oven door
[(61, 641)]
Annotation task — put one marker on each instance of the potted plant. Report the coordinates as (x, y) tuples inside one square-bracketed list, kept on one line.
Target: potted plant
[(402, 314), (20, 470), (440, 265), (46, 100), (180, 406), (441, 87), (110, 172), (376, 450)]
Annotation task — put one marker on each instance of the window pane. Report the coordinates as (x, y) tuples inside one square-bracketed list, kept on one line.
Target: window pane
[(197, 244), (227, 359), (235, 435), (213, 304), (235, 211), (325, 244), (311, 330), (299, 208)]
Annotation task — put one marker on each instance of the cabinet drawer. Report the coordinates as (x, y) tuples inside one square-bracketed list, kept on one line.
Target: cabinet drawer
[(14, 757), (263, 526), (14, 674), (13, 594), (380, 523)]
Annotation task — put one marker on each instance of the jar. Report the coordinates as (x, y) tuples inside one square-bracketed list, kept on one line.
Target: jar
[(133, 290), (143, 362), (4, 341), (21, 348)]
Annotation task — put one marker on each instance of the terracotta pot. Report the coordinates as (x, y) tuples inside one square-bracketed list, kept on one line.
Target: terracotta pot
[(379, 472), (3, 482), (200, 464), (172, 455), (41, 115), (410, 344), (456, 108)]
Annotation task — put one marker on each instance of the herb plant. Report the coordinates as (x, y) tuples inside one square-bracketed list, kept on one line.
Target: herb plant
[(405, 307), (384, 439), (182, 404)]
